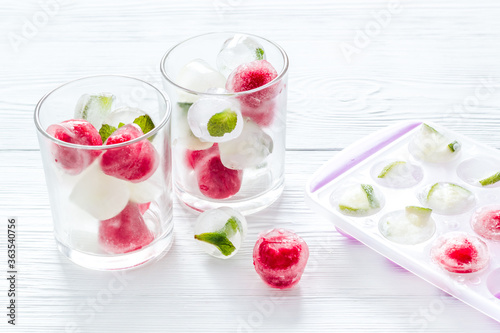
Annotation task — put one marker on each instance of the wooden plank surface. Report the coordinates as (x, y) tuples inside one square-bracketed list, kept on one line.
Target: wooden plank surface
[(434, 60)]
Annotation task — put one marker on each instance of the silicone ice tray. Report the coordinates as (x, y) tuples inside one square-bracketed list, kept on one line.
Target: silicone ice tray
[(361, 162)]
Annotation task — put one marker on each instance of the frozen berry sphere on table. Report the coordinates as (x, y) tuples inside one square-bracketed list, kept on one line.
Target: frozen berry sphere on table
[(279, 257)]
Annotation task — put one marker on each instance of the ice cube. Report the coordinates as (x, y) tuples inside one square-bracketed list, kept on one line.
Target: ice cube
[(134, 162), (148, 190), (238, 50), (198, 76), (407, 227), (432, 146), (447, 198), (220, 232), (94, 108), (80, 132), (215, 119), (259, 105), (125, 232), (486, 222), (125, 115), (100, 195), (279, 257), (185, 137), (248, 150), (459, 252), (215, 180)]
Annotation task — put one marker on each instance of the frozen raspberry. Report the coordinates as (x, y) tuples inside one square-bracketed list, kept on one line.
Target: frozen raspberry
[(194, 156), (80, 132), (143, 207), (257, 105), (135, 162), (279, 257), (486, 223), (459, 252), (126, 232), (215, 180)]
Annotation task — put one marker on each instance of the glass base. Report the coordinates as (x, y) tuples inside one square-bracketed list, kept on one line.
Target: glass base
[(119, 261), (244, 206)]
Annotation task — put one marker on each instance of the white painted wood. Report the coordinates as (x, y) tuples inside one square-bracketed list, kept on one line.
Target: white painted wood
[(430, 61)]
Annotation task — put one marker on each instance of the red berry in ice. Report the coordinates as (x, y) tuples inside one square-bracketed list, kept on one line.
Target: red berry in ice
[(215, 180), (458, 252), (487, 224), (79, 132), (194, 156), (279, 257), (126, 232), (257, 105), (143, 207), (135, 162)]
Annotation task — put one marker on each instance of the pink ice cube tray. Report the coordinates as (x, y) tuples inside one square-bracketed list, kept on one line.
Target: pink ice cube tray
[(362, 162)]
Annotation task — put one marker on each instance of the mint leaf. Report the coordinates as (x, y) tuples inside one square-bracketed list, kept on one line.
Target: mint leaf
[(121, 125), (145, 123), (105, 131), (259, 53), (218, 239), (184, 106), (222, 123), (231, 227)]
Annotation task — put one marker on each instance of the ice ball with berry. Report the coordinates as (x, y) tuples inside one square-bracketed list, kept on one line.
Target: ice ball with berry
[(215, 180), (459, 252), (79, 132), (258, 105), (279, 257), (125, 232), (237, 50), (220, 232), (215, 119), (134, 162)]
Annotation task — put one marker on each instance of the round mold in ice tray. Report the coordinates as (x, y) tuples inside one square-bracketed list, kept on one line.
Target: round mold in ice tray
[(357, 200), (459, 252), (493, 283), (447, 198), (481, 171), (407, 228), (486, 222), (396, 173)]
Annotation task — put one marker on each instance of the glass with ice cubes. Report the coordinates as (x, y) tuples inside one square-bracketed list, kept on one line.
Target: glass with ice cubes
[(229, 94), (105, 146)]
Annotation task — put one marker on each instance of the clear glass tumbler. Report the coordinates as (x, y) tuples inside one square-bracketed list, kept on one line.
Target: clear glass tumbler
[(229, 97), (109, 184)]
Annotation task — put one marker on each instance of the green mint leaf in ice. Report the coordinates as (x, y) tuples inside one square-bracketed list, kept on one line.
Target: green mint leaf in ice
[(259, 53), (231, 227), (454, 146), (184, 106), (121, 125), (105, 131), (222, 123), (219, 240), (145, 123)]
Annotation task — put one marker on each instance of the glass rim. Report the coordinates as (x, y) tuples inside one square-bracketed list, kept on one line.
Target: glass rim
[(282, 73), (162, 123)]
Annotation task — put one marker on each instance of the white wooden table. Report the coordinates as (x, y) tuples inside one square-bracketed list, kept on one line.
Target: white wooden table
[(356, 66)]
